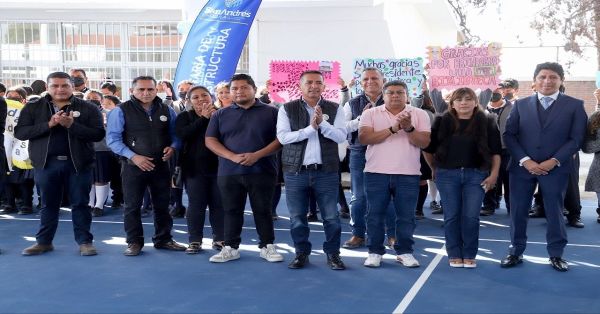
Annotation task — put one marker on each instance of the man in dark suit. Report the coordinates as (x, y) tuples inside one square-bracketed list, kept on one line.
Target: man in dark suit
[(542, 133)]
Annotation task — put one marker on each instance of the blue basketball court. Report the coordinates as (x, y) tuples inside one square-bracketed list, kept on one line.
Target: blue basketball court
[(173, 282)]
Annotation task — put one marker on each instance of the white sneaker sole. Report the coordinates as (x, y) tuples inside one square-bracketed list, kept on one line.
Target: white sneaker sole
[(218, 260)]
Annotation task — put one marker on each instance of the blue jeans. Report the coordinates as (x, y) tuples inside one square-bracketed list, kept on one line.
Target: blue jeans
[(57, 176), (403, 190), (325, 188), (462, 194), (358, 201)]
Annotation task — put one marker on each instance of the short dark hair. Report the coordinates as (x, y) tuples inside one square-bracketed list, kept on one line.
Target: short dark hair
[(2, 88), (38, 87), (143, 78), (79, 70), (552, 66), (243, 77), (395, 83), (59, 75), (27, 89), (112, 98), (509, 83), (196, 87), (19, 91), (372, 69), (110, 86), (307, 72)]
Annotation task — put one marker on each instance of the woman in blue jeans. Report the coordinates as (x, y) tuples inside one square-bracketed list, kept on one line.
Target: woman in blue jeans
[(464, 156)]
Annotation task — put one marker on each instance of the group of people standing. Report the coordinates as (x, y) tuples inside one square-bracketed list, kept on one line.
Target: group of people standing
[(229, 154)]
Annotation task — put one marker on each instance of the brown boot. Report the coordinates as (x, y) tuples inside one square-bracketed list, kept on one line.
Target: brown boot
[(354, 242), (87, 249), (38, 249)]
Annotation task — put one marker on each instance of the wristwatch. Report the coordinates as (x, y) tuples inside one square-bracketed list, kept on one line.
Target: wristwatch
[(411, 129)]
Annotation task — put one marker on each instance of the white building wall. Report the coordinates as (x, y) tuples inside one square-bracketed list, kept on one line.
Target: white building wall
[(389, 29)]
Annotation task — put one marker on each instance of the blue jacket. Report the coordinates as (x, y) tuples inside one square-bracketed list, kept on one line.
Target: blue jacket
[(560, 137)]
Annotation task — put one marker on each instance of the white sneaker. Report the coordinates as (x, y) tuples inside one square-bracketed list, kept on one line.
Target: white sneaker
[(374, 260), (227, 254), (270, 254), (407, 260)]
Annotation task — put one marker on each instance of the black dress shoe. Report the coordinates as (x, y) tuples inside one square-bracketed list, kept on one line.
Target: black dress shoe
[(171, 246), (575, 222), (511, 261), (299, 262), (335, 262), (133, 249), (559, 264)]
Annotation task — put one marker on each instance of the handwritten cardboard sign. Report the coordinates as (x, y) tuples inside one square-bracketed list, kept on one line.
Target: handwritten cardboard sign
[(409, 71), (474, 67), (285, 79)]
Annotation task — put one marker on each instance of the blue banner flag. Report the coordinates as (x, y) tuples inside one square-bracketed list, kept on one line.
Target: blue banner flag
[(215, 41)]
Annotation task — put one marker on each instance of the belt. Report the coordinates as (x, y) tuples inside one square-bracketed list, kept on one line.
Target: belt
[(311, 167), (61, 157)]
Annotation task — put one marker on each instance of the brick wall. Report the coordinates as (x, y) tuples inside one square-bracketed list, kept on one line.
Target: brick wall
[(579, 89)]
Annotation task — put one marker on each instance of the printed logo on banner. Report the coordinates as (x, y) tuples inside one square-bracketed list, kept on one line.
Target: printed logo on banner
[(474, 67), (215, 41), (233, 3), (407, 70)]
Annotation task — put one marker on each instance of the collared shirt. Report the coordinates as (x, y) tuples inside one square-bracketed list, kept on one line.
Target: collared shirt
[(245, 131), (312, 154), (395, 155), (116, 126), (352, 124), (553, 96)]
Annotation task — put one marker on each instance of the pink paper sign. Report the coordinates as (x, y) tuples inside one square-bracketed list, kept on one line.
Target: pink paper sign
[(285, 79), (474, 67)]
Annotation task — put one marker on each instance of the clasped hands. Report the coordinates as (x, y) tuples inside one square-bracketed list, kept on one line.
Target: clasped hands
[(540, 169), (245, 159), (317, 118), (403, 121), (63, 118)]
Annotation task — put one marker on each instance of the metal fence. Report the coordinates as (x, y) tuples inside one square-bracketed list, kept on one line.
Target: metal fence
[(116, 50)]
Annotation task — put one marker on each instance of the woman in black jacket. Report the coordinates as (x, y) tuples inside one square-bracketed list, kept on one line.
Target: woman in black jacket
[(464, 155), (199, 170)]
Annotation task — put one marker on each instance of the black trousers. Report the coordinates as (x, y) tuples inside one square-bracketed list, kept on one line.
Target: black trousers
[(115, 180), (492, 198), (135, 182), (259, 188), (203, 191)]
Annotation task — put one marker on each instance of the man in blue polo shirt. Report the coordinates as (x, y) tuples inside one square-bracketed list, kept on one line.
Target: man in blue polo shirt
[(243, 135)]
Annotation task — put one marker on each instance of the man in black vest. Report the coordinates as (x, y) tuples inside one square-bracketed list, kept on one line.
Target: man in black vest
[(142, 131), (371, 81), (61, 130), (310, 130)]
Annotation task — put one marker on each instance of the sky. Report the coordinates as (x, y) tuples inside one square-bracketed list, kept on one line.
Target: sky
[(508, 23)]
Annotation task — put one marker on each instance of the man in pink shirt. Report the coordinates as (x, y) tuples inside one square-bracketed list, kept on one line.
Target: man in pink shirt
[(395, 134)]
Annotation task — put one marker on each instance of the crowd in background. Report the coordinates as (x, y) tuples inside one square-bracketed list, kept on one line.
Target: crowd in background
[(223, 145)]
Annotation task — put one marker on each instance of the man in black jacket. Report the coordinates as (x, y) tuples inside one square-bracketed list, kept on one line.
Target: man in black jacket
[(61, 130), (142, 131)]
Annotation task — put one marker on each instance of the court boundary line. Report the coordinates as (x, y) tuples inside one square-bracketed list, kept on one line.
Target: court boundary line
[(416, 287)]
